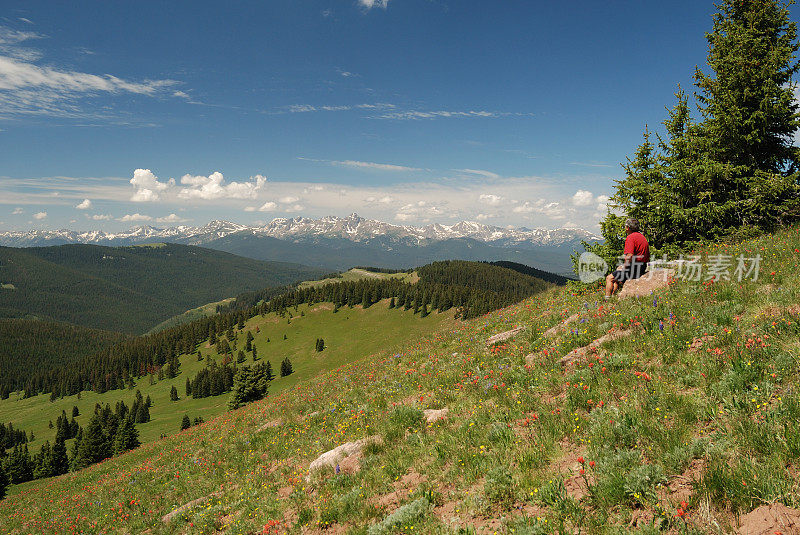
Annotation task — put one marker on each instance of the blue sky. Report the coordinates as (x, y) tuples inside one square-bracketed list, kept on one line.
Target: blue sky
[(409, 111)]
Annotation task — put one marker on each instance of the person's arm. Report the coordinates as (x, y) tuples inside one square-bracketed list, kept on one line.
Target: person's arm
[(628, 259), (627, 252)]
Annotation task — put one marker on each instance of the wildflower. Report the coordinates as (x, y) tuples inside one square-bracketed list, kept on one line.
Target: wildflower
[(581, 460)]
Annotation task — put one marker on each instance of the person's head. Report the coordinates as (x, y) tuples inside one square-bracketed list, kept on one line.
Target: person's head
[(631, 225)]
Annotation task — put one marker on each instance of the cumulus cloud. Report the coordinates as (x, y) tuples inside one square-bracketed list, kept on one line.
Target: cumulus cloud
[(583, 198), (386, 199), (135, 217), (171, 218), (18, 211), (295, 208), (84, 205), (148, 188), (288, 200), (422, 211), (40, 215), (491, 199), (101, 217), (213, 187), (268, 206), (369, 4)]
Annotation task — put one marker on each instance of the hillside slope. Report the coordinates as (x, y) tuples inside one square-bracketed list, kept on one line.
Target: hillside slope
[(681, 418), (128, 289)]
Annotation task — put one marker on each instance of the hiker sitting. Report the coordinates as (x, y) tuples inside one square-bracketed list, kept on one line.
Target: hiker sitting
[(636, 255)]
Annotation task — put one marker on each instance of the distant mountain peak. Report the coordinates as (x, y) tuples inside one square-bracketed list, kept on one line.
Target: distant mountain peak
[(353, 227)]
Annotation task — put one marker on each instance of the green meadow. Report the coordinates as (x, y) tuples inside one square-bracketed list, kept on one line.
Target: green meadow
[(350, 334)]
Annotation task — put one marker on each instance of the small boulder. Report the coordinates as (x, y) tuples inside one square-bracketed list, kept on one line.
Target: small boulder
[(502, 337), (434, 415), (654, 279), (347, 451)]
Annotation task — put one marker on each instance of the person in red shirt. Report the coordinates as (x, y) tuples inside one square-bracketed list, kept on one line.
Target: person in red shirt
[(636, 255)]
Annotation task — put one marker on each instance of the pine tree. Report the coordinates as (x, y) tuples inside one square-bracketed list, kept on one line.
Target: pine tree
[(75, 411), (391, 303), (126, 438), (185, 423), (60, 461), (18, 465), (142, 414), (173, 393), (735, 173), (240, 356), (95, 444), (286, 367), (268, 371), (3, 482), (188, 387), (43, 462)]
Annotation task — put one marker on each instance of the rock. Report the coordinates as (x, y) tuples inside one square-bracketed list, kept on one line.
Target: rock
[(769, 520), (339, 454), (654, 279), (273, 423), (434, 415), (185, 507), (502, 337), (581, 351), (556, 328)]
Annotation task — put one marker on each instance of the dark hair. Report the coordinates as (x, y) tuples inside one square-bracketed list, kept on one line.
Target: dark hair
[(632, 224)]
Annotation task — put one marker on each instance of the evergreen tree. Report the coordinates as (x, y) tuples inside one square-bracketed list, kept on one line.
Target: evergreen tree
[(240, 356), (60, 461), (142, 414), (735, 173), (126, 438), (286, 367), (173, 393), (268, 371), (95, 444), (391, 303), (188, 387), (250, 384), (75, 411), (18, 465), (185, 423), (43, 462), (3, 482), (255, 354)]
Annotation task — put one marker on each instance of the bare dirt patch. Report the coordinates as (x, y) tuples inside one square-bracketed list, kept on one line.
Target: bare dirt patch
[(681, 488), (770, 519), (402, 488), (434, 415), (272, 423), (697, 343)]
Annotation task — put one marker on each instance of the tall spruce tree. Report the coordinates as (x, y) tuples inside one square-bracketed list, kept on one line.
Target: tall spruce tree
[(126, 438), (60, 460), (3, 482), (95, 444), (735, 172)]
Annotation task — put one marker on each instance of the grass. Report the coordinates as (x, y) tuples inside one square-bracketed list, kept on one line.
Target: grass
[(701, 411), (350, 334), (203, 311), (358, 274)]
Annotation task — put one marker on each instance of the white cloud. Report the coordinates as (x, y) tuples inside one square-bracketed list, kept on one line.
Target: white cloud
[(481, 217), (40, 215), (369, 4), (480, 172), (525, 208), (294, 208), (30, 89), (490, 199), (602, 201), (288, 200), (101, 217), (583, 198), (135, 217), (84, 205), (374, 166), (213, 187), (147, 186), (416, 114), (386, 199), (171, 218), (267, 207), (18, 211)]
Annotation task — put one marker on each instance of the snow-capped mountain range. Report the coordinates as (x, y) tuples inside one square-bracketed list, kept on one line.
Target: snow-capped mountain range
[(352, 228)]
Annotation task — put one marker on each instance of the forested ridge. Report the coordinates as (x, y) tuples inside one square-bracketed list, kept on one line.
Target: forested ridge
[(472, 288), (129, 289)]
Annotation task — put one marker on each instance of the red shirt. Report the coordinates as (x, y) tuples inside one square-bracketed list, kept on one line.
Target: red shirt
[(636, 244)]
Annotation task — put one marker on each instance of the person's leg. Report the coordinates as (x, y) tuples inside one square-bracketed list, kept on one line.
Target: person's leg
[(611, 285)]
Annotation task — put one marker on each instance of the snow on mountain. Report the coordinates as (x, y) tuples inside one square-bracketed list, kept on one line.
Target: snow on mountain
[(352, 227)]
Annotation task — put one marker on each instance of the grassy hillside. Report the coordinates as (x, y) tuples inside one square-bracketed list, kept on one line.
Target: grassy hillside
[(684, 423), (128, 289), (360, 274), (350, 335), (203, 311)]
